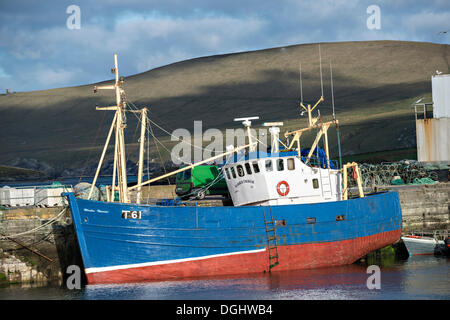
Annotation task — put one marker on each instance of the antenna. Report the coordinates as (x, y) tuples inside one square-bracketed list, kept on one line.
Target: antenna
[(247, 123), (274, 132), (301, 87), (332, 90), (320, 61)]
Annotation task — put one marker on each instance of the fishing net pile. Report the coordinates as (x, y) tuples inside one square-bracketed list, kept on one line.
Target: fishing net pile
[(82, 189), (399, 173)]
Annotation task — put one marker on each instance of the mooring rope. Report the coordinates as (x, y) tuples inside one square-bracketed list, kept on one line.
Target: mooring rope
[(51, 221)]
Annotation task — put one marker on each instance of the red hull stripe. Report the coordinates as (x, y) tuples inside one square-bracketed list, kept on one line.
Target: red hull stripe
[(303, 256)]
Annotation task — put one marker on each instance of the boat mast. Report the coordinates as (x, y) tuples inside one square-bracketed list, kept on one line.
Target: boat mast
[(247, 124), (313, 122), (119, 126), (141, 153)]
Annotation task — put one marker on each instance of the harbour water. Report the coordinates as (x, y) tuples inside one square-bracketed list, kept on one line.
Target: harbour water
[(414, 278)]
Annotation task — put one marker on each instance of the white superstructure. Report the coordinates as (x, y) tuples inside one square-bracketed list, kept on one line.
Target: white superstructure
[(280, 180)]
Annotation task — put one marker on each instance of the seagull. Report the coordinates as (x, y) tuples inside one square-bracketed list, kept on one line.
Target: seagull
[(438, 72)]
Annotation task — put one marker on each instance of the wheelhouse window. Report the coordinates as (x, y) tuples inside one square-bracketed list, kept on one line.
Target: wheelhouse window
[(269, 165), (315, 183), (228, 173), (248, 168), (240, 171), (280, 164), (255, 167), (233, 172), (291, 164)]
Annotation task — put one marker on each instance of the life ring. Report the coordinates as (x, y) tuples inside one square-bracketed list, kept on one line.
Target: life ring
[(283, 188)]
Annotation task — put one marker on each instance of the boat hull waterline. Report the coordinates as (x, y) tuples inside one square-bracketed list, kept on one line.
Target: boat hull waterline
[(130, 243)]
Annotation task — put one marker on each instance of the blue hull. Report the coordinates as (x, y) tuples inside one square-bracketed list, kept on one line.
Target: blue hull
[(118, 241)]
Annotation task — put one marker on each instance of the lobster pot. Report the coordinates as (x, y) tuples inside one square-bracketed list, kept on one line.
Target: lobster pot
[(17, 197), (51, 197)]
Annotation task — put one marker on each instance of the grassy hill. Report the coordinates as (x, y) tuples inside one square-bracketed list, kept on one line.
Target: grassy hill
[(374, 84), (12, 173)]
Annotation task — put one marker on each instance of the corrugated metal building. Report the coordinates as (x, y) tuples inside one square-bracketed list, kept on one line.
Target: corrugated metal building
[(441, 95), (433, 134)]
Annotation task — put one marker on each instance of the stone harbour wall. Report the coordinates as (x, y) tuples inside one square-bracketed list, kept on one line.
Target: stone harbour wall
[(424, 207), (41, 256)]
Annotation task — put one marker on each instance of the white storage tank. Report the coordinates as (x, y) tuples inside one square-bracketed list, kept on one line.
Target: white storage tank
[(441, 95), (17, 197)]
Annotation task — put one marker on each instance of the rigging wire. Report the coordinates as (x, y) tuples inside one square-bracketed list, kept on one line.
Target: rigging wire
[(320, 61), (338, 132), (175, 137), (301, 87), (159, 153), (93, 144), (332, 90)]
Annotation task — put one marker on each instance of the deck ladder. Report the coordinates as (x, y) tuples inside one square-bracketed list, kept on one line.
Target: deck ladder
[(325, 182), (271, 240)]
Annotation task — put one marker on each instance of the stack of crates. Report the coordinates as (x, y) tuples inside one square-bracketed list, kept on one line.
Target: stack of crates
[(17, 197), (50, 196)]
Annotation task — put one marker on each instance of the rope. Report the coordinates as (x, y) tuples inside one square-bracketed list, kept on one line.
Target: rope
[(159, 153), (154, 137), (51, 221), (167, 132), (93, 145)]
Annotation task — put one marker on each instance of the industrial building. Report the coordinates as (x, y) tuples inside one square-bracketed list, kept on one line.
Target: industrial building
[(433, 129)]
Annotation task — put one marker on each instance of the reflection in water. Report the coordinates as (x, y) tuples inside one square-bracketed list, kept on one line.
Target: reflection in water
[(414, 278)]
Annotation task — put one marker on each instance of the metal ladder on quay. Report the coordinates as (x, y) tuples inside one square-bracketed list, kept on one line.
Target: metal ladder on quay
[(271, 239)]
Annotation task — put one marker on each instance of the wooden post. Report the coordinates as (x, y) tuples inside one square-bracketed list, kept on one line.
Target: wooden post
[(108, 195), (122, 169), (113, 184), (313, 147), (141, 153), (119, 149), (309, 116), (358, 179), (344, 171), (325, 142)]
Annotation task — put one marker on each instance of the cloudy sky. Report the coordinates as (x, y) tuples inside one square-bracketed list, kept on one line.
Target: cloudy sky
[(42, 47)]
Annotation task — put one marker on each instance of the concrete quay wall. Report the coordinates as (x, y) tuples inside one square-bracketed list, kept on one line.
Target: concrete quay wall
[(424, 207)]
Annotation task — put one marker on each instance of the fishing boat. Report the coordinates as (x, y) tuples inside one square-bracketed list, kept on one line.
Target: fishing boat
[(289, 212), (426, 243)]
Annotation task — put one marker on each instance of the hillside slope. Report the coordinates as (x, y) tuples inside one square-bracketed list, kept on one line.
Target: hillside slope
[(374, 85)]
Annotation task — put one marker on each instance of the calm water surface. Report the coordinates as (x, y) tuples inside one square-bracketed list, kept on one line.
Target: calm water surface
[(422, 277)]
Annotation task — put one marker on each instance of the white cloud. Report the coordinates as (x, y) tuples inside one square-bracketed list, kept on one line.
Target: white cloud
[(146, 38)]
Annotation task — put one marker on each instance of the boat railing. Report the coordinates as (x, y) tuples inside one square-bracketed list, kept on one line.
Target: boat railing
[(315, 161), (439, 234)]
